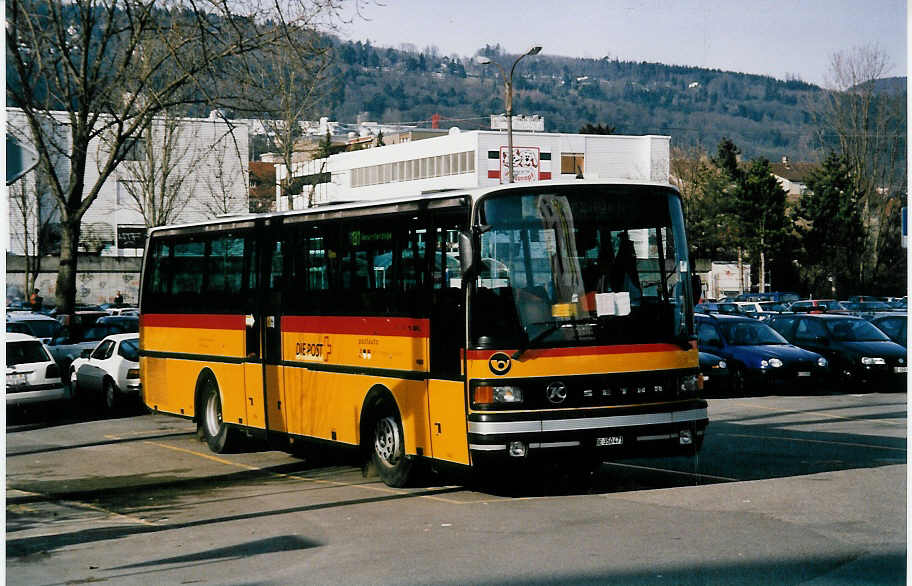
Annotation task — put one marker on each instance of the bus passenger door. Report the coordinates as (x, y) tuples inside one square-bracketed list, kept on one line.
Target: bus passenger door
[(273, 290), (446, 383)]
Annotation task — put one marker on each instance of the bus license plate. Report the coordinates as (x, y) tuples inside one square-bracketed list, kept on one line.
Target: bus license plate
[(804, 373), (899, 368), (611, 440)]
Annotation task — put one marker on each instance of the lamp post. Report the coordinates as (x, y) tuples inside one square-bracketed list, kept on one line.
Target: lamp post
[(508, 98)]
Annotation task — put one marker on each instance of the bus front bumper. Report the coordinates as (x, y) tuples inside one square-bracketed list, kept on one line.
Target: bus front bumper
[(626, 433)]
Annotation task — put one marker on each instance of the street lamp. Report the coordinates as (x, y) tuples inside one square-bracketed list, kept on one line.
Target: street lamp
[(508, 98)]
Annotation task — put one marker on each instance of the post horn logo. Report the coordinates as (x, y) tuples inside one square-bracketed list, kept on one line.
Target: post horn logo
[(500, 363)]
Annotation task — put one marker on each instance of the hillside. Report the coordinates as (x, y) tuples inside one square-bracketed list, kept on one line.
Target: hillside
[(762, 115)]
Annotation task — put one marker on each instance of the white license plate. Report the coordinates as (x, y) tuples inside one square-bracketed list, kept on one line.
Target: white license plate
[(804, 373), (14, 380), (612, 440), (900, 368)]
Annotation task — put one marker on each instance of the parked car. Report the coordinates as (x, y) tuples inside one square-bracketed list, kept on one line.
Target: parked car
[(110, 371), (727, 308), (756, 355), (127, 323), (859, 353), (32, 375), (816, 306), (866, 308), (119, 309), (714, 370), (893, 325), (41, 326), (71, 342)]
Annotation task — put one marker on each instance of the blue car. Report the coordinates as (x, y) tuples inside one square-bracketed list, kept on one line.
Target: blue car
[(715, 374), (757, 356)]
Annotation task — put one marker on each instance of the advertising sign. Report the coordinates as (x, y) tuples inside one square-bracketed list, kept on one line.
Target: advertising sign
[(526, 164), (131, 236)]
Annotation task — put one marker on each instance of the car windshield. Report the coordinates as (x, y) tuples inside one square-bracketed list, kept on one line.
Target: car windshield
[(855, 330), (26, 352), (750, 333), (129, 349), (579, 265)]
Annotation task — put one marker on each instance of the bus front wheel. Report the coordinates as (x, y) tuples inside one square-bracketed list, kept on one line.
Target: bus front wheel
[(388, 452), (218, 434)]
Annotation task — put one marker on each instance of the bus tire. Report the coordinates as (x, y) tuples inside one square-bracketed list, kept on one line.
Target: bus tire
[(388, 451), (220, 436)]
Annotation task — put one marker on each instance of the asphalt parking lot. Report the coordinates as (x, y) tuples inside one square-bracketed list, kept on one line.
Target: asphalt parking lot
[(790, 489)]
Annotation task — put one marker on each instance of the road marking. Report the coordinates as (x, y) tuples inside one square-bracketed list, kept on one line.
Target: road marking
[(130, 518), (681, 472), (822, 414), (812, 441)]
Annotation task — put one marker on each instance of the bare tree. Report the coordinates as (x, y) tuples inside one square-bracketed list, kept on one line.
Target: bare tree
[(84, 69), (228, 167), (33, 212), (867, 125), (163, 175), (294, 92)]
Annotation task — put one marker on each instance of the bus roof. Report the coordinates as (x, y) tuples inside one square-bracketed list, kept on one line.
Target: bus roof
[(428, 198)]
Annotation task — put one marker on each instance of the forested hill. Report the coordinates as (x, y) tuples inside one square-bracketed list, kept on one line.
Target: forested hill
[(762, 115)]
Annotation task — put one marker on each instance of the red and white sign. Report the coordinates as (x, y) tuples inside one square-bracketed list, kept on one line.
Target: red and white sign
[(526, 164)]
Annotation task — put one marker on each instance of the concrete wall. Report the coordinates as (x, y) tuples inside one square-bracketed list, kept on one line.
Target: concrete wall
[(97, 281)]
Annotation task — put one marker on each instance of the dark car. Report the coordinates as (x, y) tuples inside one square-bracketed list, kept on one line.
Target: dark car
[(726, 308), (816, 306), (72, 341), (127, 323), (893, 325), (715, 374), (756, 355), (859, 353)]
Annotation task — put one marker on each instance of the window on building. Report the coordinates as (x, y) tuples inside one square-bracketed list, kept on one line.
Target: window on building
[(572, 163)]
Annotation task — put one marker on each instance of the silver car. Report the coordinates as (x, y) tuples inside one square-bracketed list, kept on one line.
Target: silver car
[(110, 370)]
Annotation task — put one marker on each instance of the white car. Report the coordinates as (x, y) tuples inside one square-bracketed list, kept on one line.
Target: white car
[(32, 375), (110, 370)]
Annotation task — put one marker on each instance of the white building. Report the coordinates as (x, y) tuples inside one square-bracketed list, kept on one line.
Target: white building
[(206, 160), (462, 160)]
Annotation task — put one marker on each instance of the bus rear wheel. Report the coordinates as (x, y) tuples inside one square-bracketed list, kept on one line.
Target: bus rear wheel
[(388, 452), (219, 435)]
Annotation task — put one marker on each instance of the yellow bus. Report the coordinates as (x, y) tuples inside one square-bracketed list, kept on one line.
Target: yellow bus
[(513, 324)]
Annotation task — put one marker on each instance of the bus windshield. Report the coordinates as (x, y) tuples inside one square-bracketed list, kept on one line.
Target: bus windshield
[(580, 265)]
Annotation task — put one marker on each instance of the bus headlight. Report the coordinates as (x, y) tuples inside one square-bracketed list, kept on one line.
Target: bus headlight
[(690, 383), (822, 362), (489, 394)]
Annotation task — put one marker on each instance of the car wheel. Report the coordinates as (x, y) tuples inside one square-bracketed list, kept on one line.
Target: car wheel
[(110, 395), (220, 436), (388, 453), (738, 380), (74, 385)]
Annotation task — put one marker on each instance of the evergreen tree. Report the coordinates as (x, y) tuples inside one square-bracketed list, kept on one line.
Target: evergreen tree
[(832, 229), (761, 214)]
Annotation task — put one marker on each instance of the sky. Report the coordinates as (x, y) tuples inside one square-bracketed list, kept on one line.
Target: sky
[(780, 38)]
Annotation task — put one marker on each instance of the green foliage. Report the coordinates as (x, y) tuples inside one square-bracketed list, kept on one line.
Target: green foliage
[(832, 230)]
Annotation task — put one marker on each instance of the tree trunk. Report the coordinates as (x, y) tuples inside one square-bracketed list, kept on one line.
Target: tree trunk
[(762, 271), (66, 274), (740, 272)]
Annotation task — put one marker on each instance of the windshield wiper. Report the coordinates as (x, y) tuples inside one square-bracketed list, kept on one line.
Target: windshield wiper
[(547, 332)]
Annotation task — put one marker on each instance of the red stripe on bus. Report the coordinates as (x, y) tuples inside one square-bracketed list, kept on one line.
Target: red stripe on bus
[(201, 321), (493, 174), (584, 351), (378, 326), (544, 175)]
